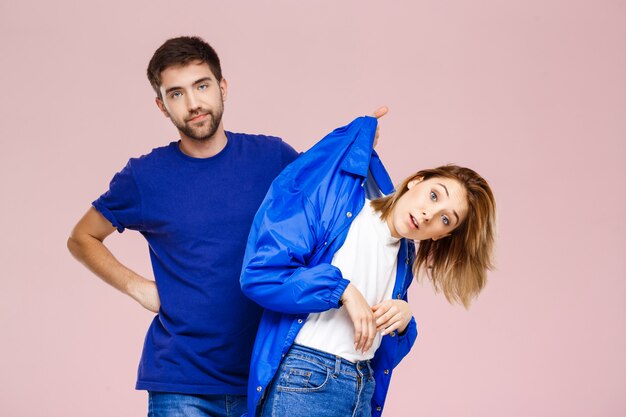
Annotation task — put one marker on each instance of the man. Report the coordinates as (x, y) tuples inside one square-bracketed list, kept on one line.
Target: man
[(194, 201)]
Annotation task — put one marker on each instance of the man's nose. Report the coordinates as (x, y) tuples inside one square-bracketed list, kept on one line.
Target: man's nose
[(192, 102)]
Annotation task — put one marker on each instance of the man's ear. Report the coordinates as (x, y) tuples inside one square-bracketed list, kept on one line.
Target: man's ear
[(161, 106), (224, 88)]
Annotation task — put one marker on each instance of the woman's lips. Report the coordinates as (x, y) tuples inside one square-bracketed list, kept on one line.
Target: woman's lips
[(414, 222)]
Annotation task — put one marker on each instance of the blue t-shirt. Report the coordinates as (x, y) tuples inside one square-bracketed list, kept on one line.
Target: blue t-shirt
[(196, 214)]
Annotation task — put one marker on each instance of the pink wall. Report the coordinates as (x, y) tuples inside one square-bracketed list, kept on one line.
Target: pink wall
[(531, 94)]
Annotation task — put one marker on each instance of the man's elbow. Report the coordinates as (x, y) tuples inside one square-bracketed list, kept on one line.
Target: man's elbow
[(77, 244), (73, 246)]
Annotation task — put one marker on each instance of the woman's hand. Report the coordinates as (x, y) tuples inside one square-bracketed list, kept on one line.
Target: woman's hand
[(362, 318), (392, 315), (380, 112)]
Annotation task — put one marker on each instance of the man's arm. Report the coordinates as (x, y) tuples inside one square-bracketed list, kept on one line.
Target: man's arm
[(86, 245)]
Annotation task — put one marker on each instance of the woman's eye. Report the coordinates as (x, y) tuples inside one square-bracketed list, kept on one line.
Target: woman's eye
[(445, 220), (433, 196)]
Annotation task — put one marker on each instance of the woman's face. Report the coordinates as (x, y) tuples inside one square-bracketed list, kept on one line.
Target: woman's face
[(430, 209)]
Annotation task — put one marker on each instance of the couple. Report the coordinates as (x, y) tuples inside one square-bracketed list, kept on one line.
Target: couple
[(329, 256)]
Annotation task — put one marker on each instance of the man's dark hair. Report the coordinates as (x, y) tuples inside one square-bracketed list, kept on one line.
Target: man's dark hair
[(182, 51)]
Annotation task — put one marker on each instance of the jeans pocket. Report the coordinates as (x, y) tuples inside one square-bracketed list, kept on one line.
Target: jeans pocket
[(301, 375)]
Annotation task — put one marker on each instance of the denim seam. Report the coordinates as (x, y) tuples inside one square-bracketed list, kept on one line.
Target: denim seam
[(316, 362), (304, 390)]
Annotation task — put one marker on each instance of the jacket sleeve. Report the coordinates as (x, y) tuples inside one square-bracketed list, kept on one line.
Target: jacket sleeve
[(405, 342), (275, 270)]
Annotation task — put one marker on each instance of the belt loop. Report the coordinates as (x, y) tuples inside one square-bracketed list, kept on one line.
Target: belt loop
[(337, 366)]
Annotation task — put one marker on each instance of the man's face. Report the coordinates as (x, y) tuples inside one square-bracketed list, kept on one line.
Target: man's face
[(193, 99)]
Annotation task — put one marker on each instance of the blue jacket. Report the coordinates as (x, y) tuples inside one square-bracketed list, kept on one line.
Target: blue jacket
[(302, 222)]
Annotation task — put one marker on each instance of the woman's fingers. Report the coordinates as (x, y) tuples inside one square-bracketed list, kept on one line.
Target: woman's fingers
[(384, 317), (392, 324), (380, 112), (393, 327), (361, 315), (392, 315), (371, 335), (364, 338)]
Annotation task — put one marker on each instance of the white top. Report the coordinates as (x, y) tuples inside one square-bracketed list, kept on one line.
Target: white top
[(368, 259)]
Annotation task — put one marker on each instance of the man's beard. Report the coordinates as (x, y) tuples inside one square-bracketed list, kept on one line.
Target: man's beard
[(201, 133)]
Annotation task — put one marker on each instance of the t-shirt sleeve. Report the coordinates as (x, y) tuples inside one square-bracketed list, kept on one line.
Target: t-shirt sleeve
[(287, 154), (121, 204)]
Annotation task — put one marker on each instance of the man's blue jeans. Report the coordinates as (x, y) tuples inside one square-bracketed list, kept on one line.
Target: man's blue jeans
[(318, 384), (164, 404)]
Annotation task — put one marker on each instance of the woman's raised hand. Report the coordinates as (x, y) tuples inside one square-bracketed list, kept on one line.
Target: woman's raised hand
[(378, 113)]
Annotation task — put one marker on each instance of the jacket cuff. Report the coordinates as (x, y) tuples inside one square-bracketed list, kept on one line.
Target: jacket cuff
[(411, 330), (338, 292)]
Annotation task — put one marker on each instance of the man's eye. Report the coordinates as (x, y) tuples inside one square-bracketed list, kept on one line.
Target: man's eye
[(445, 220), (176, 94), (203, 87)]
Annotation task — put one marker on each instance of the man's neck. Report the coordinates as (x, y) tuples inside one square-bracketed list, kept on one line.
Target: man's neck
[(206, 148)]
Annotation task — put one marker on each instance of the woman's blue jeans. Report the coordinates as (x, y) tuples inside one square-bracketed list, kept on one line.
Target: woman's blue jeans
[(164, 404), (318, 384)]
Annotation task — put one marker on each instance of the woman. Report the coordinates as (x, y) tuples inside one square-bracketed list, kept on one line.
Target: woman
[(330, 259)]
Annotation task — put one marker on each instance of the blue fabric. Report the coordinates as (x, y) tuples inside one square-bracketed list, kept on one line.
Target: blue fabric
[(308, 376), (302, 222), (195, 214), (164, 404)]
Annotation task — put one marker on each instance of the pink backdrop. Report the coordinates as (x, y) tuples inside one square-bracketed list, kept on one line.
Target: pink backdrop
[(532, 94)]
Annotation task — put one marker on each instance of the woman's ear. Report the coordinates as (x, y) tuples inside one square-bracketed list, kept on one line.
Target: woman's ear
[(414, 181), (440, 237)]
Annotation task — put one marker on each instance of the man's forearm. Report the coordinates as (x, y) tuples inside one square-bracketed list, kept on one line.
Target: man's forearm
[(92, 253)]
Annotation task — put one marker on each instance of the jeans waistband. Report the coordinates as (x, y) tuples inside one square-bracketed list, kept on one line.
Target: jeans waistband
[(341, 365)]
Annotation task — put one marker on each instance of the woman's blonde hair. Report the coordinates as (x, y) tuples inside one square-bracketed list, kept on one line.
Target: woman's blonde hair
[(456, 264)]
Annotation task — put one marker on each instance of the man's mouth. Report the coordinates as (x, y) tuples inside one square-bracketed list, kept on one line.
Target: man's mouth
[(198, 118)]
